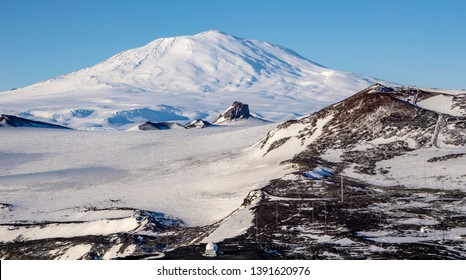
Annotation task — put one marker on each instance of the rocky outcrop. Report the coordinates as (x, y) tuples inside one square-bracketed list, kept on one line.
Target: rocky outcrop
[(13, 121), (159, 126), (198, 124), (236, 111)]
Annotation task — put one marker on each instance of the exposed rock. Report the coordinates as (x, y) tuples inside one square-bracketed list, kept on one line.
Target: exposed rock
[(159, 126), (9, 120), (447, 157), (236, 111), (198, 124), (377, 123)]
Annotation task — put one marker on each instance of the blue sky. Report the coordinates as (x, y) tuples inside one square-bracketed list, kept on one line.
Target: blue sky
[(411, 42)]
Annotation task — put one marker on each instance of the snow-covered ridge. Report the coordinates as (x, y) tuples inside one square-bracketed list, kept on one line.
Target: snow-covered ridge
[(378, 133), (185, 78)]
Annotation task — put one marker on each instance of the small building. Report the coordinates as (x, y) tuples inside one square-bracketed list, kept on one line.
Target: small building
[(211, 250), (425, 229)]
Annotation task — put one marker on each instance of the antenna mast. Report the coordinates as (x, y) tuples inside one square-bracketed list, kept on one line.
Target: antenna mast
[(341, 188)]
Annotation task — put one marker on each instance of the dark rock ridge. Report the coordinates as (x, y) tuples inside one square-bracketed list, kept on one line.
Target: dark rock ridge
[(198, 124), (159, 126), (172, 125), (237, 111), (377, 123), (9, 120)]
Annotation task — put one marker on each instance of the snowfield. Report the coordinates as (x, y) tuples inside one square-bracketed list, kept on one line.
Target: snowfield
[(416, 169), (199, 176)]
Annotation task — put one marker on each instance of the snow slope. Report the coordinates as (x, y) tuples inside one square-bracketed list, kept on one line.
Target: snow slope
[(383, 136), (51, 176), (184, 78)]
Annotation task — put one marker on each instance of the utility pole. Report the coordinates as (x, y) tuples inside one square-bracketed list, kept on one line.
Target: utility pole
[(425, 178), (443, 230), (341, 188), (276, 215), (425, 175), (257, 229), (325, 203)]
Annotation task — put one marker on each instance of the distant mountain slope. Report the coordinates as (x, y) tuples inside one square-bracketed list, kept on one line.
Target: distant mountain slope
[(186, 78)]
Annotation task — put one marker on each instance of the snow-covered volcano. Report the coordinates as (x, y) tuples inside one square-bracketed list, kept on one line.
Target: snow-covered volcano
[(185, 78)]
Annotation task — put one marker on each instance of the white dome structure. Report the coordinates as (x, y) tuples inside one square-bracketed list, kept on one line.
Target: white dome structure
[(211, 249)]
